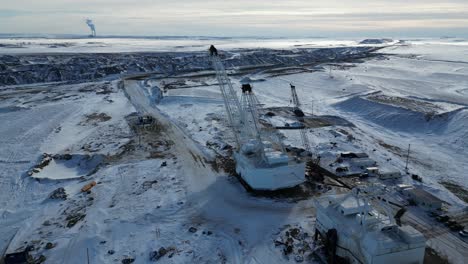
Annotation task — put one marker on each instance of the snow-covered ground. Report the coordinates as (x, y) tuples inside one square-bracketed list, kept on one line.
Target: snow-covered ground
[(158, 187), (99, 45), (16, 44), (395, 101)]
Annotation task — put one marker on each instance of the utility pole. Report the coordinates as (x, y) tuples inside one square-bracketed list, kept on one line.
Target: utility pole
[(407, 158), (312, 107)]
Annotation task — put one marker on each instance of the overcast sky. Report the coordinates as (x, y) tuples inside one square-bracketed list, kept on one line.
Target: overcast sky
[(238, 18)]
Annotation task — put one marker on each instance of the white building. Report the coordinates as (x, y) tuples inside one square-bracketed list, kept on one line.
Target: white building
[(363, 234), (372, 171), (423, 198)]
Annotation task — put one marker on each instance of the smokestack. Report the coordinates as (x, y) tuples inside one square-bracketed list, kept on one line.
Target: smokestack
[(91, 26)]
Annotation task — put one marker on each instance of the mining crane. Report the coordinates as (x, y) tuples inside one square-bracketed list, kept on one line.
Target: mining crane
[(258, 163), (298, 112)]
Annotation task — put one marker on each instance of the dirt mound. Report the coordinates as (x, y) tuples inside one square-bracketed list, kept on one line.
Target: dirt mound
[(402, 114)]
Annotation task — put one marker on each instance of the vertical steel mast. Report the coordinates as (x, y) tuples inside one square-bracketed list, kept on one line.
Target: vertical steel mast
[(231, 101), (251, 129)]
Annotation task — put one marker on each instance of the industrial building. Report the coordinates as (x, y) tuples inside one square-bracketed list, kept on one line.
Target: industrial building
[(423, 198), (353, 227), (389, 175), (372, 171)]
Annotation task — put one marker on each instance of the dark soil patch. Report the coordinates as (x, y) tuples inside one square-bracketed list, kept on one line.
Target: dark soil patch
[(95, 118), (456, 189), (431, 257), (394, 149)]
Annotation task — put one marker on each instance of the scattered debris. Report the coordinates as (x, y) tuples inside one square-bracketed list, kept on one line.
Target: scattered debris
[(157, 254), (46, 158), (192, 229), (95, 118), (58, 194), (295, 241), (40, 259), (49, 245), (74, 218), (128, 260), (146, 186)]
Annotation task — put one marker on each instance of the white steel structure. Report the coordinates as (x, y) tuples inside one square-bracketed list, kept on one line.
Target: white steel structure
[(258, 163), (362, 233), (231, 101)]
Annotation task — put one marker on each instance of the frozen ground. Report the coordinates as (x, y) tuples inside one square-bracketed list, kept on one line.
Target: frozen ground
[(157, 187), (14, 44)]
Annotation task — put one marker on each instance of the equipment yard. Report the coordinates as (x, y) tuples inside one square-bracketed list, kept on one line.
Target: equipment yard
[(134, 153)]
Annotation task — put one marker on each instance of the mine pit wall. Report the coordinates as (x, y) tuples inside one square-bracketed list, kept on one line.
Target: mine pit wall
[(40, 68)]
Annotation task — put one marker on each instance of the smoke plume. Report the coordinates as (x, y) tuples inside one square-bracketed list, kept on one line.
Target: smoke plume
[(91, 26)]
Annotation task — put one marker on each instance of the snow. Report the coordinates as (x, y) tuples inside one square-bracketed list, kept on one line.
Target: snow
[(77, 166), (144, 200), (110, 45)]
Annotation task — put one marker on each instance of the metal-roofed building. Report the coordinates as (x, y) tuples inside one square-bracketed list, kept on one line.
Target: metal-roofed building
[(353, 229), (423, 198)]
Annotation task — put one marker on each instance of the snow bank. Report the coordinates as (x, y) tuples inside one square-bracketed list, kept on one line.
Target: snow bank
[(403, 119), (77, 166)]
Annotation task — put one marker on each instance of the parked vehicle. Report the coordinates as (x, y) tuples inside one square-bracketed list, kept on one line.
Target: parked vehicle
[(442, 218), (433, 214), (456, 227), (463, 233), (450, 223)]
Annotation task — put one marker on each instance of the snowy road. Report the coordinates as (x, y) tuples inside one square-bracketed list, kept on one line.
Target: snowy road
[(439, 236)]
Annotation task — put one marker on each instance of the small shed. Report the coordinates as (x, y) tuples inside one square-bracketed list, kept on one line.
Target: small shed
[(372, 171), (363, 163), (402, 187)]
